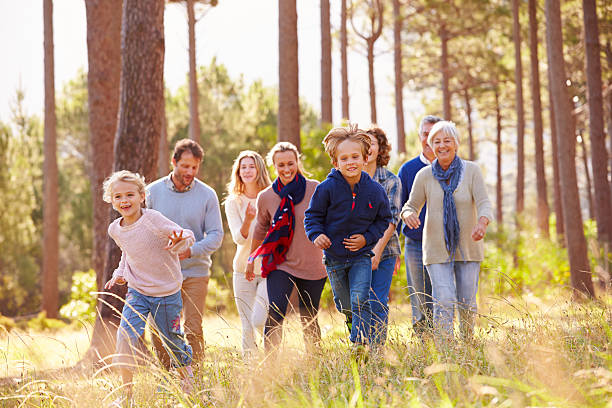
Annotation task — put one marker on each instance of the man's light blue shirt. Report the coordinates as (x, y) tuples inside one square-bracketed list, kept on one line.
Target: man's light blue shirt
[(196, 209)]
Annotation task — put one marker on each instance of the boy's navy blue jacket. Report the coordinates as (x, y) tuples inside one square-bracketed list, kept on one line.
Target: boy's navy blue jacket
[(337, 213)]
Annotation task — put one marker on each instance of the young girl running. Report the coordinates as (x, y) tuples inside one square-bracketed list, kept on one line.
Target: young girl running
[(150, 244), (249, 177)]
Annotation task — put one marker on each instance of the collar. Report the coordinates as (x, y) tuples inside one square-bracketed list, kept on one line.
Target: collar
[(380, 173), (424, 159), (171, 186)]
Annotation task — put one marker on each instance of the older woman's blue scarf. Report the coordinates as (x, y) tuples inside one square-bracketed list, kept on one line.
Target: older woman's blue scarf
[(451, 223), (280, 234)]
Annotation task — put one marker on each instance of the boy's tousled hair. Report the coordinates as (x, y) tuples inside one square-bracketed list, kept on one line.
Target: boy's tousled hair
[(236, 185), (184, 145), (125, 176), (384, 147), (340, 134)]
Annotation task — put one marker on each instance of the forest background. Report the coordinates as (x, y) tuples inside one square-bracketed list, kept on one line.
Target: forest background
[(454, 59)]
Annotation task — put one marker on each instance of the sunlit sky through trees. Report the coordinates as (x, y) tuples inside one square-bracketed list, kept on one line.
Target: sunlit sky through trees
[(241, 34)]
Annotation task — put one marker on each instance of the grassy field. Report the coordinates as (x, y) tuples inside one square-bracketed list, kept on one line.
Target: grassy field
[(527, 352)]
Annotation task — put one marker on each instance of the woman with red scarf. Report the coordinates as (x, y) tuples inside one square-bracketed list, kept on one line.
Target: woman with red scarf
[(289, 259)]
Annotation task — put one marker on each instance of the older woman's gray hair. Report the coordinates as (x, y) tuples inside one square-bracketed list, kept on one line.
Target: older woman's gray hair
[(446, 127)]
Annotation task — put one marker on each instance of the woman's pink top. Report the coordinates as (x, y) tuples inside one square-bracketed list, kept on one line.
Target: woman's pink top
[(303, 259)]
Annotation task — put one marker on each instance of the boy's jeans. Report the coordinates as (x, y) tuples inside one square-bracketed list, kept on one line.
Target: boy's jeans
[(454, 287), (350, 280), (379, 299)]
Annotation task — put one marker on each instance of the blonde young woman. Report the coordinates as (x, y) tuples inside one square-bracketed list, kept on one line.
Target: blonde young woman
[(249, 177)]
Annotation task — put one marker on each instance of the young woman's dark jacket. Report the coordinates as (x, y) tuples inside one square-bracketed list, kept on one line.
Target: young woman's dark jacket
[(338, 213)]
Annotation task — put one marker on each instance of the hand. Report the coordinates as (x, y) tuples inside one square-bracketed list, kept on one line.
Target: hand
[(480, 229), (174, 239), (354, 242), (322, 242), (397, 265), (185, 254), (115, 280), (250, 273), (375, 261), (250, 212), (412, 221)]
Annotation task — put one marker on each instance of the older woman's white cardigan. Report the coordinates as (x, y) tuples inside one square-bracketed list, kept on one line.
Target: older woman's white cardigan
[(472, 203)]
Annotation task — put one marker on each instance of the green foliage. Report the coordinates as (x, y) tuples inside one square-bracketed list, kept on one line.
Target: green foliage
[(82, 304), (6, 324), (42, 323)]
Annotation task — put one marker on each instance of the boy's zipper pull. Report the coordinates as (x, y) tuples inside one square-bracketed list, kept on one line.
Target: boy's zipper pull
[(353, 205)]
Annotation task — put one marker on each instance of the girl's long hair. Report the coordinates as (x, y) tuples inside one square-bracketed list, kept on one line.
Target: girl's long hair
[(236, 186)]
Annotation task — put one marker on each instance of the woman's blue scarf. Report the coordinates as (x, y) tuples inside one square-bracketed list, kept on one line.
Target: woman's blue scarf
[(451, 223), (280, 234)]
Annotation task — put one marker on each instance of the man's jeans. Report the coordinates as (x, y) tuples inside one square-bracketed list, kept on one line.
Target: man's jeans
[(350, 280), (419, 286), (379, 299), (454, 287)]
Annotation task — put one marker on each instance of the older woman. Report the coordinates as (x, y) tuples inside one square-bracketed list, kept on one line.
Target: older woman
[(289, 259), (458, 212)]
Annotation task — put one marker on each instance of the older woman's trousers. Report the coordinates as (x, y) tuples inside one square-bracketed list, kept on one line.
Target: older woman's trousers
[(454, 286)]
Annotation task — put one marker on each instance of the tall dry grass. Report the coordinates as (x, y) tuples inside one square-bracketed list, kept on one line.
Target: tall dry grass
[(527, 351)]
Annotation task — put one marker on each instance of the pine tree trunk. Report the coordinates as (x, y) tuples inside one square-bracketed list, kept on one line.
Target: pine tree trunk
[(140, 115), (542, 210), (560, 226), (446, 95), (163, 160), (498, 190), (326, 64), (194, 119), (599, 153), (587, 175), (468, 113), (399, 82), (288, 84), (343, 60), (580, 269), (520, 115), (104, 62), (50, 294), (373, 116)]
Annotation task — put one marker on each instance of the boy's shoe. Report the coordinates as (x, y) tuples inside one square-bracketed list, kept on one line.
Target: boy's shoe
[(360, 351)]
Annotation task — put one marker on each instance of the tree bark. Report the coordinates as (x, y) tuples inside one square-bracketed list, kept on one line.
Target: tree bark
[(599, 153), (399, 82), (50, 294), (288, 84), (520, 115), (194, 119), (580, 269), (498, 120), (104, 62), (560, 226), (468, 113), (140, 122), (446, 94), (587, 175), (542, 209), (373, 115), (163, 160), (343, 60), (326, 64)]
